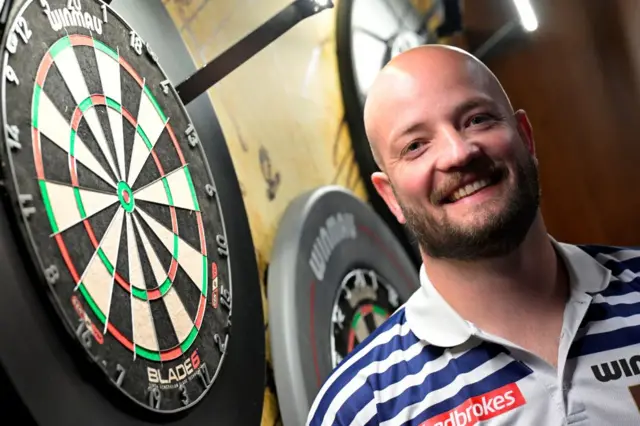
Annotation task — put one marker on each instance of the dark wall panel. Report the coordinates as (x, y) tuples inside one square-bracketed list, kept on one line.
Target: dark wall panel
[(575, 77)]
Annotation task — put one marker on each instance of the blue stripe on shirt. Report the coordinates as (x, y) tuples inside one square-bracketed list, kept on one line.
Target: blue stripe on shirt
[(593, 249), (439, 379), (602, 342), (510, 373), (617, 267), (386, 378), (604, 311), (620, 288), (356, 402)]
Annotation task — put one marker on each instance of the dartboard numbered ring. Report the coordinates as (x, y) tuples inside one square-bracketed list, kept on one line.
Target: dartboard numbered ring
[(115, 201)]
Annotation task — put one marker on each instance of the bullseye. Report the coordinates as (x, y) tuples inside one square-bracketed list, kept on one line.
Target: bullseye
[(125, 195)]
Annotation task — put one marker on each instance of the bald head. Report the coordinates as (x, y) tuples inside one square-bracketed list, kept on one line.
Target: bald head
[(410, 77)]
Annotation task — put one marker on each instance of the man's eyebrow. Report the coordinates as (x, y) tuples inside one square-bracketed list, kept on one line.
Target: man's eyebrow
[(472, 104), (410, 129), (458, 111)]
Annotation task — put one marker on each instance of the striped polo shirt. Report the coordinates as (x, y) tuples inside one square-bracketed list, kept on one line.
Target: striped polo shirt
[(427, 366)]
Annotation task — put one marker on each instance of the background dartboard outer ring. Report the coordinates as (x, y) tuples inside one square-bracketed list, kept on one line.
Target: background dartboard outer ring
[(354, 117), (301, 306), (45, 379)]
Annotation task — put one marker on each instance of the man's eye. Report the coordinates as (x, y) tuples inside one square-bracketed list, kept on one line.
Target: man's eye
[(480, 119), (412, 147)]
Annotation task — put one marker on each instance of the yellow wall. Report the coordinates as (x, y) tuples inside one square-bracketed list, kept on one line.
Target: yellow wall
[(285, 102)]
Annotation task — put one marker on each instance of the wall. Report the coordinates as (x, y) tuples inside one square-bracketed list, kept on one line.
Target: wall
[(281, 114), (576, 76)]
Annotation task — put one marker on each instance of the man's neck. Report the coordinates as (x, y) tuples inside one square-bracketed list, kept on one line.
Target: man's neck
[(499, 293)]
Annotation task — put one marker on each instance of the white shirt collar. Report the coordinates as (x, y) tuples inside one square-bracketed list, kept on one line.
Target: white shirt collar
[(433, 320)]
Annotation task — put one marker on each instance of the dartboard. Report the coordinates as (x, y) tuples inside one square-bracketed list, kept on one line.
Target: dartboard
[(336, 273), (364, 301), (115, 201), (377, 30)]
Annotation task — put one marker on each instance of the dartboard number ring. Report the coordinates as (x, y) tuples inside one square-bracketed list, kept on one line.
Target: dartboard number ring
[(115, 201)]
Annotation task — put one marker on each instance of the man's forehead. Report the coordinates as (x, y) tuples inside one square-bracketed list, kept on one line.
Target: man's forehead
[(430, 78), (399, 91)]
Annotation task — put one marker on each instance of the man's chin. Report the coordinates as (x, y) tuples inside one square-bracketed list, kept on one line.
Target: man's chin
[(487, 233), (472, 219)]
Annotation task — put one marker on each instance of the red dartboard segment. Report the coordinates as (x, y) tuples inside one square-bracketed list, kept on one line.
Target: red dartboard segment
[(131, 71), (67, 258), (121, 338), (171, 354), (80, 40), (35, 137), (77, 117), (173, 269), (99, 99), (203, 243), (43, 69), (200, 315), (126, 114), (175, 143)]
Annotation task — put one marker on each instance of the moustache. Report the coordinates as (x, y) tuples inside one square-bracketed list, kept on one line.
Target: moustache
[(476, 170)]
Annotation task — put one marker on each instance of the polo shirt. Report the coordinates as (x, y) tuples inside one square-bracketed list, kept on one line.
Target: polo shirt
[(426, 365)]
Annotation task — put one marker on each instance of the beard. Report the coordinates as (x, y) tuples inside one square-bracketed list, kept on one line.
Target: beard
[(491, 235)]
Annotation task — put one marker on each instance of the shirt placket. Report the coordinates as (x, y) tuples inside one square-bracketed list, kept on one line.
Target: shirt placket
[(556, 382), (543, 373), (574, 314)]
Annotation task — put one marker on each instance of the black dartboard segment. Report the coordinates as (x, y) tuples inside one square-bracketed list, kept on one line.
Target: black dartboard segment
[(116, 201), (336, 273)]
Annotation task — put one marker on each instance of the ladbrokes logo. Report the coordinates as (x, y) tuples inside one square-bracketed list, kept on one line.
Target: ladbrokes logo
[(481, 407)]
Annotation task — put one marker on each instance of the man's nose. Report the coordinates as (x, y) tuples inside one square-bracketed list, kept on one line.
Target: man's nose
[(454, 151)]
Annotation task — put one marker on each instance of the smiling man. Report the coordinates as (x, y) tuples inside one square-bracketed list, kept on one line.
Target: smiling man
[(509, 326)]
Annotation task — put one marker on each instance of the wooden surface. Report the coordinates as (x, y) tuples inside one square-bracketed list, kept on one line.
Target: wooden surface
[(281, 114)]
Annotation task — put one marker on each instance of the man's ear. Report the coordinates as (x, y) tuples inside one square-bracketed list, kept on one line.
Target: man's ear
[(383, 187), (525, 130)]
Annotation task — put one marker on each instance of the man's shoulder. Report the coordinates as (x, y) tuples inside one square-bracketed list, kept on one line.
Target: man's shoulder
[(382, 359), (609, 322), (615, 258)]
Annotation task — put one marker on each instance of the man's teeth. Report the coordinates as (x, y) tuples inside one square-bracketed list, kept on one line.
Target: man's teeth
[(469, 189)]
